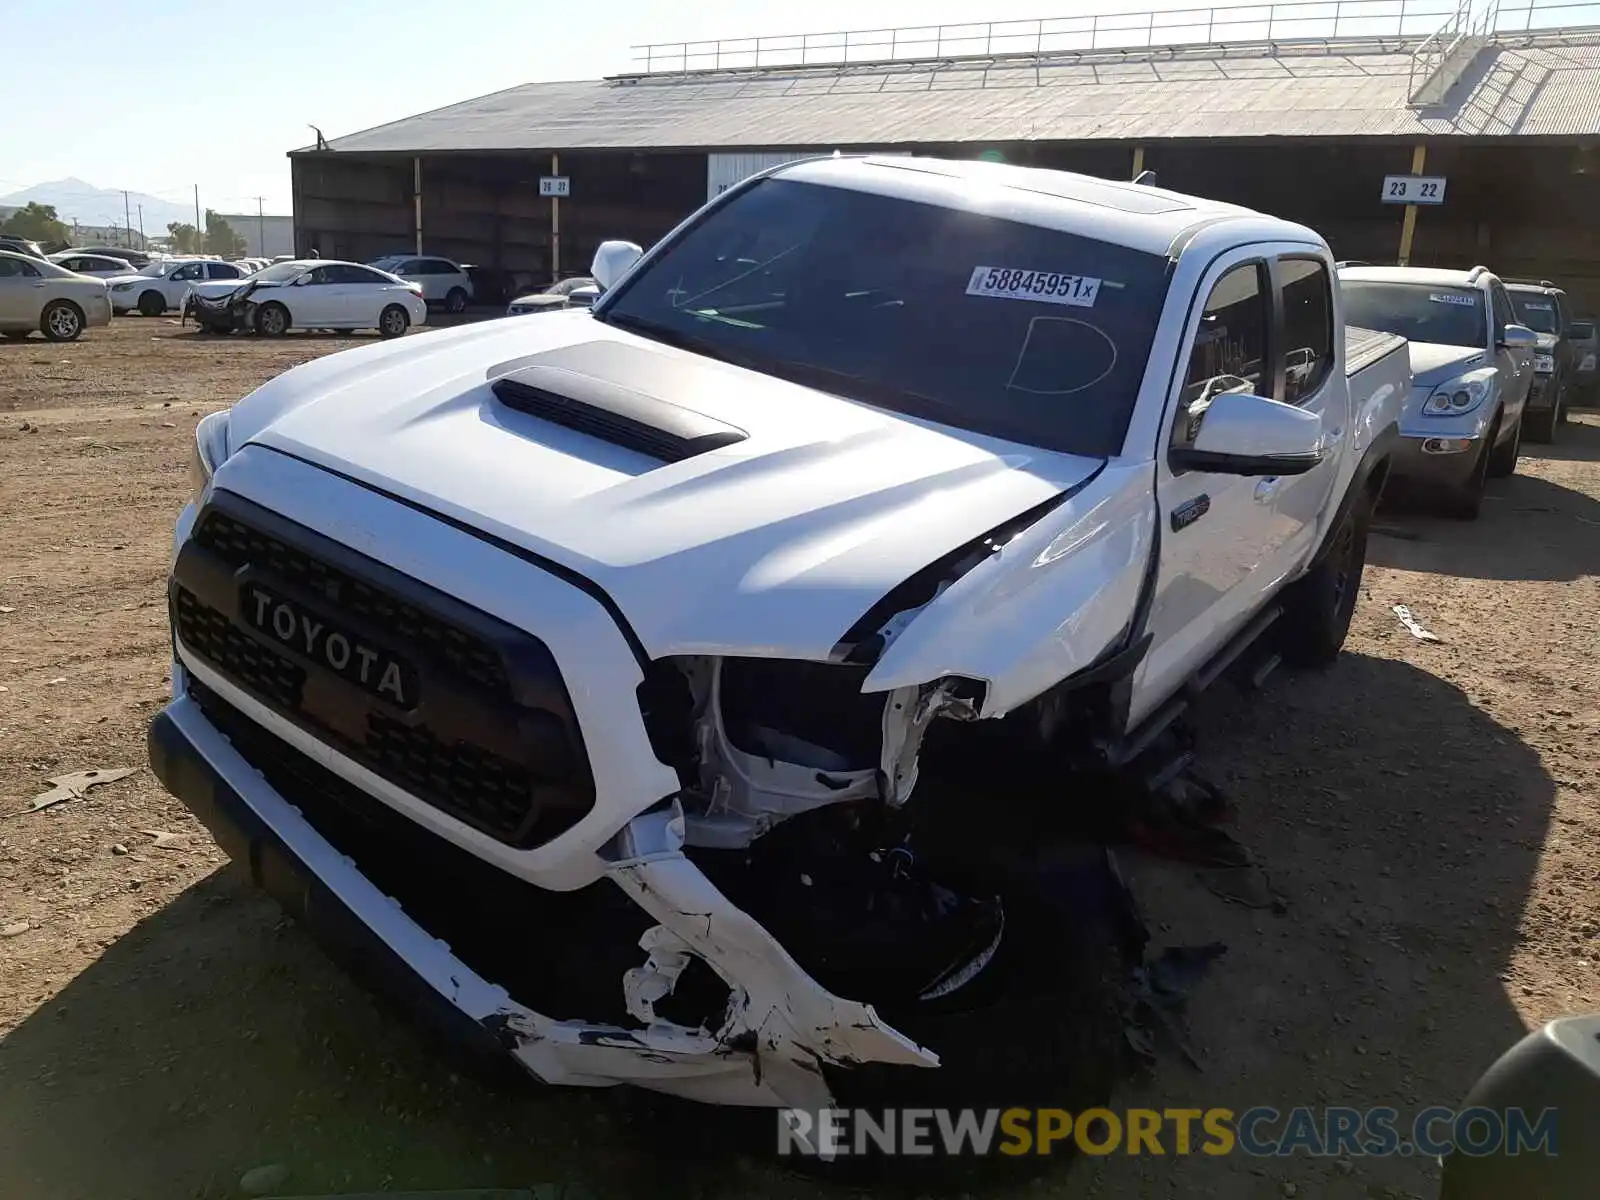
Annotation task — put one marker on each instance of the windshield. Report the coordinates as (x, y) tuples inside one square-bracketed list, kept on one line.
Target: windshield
[(988, 325), (1535, 310), (278, 272), (1443, 316)]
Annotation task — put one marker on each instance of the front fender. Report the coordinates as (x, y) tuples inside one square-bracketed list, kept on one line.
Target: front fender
[(1045, 607)]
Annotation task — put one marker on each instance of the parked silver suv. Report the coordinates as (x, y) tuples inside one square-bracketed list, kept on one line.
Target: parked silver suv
[(1472, 367)]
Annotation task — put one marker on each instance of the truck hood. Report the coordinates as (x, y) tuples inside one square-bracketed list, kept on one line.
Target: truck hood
[(1432, 364), (772, 546)]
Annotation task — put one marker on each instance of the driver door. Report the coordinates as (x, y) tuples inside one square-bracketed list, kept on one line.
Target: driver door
[(312, 300), (1217, 531)]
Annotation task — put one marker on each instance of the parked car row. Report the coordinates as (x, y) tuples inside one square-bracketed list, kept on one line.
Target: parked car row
[(307, 294), (1493, 361)]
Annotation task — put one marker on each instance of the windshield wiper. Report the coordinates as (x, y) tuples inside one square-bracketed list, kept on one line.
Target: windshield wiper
[(670, 336)]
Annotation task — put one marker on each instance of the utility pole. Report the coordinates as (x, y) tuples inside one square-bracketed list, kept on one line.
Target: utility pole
[(199, 229), (143, 241), (261, 227), (127, 220)]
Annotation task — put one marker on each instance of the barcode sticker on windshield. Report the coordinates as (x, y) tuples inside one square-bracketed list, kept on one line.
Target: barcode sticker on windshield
[(1454, 298), (1047, 287), (1536, 305)]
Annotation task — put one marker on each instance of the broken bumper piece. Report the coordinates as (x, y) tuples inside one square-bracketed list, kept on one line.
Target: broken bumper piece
[(779, 1028)]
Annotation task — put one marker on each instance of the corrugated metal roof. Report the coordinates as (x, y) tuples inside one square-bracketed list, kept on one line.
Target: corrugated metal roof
[(1351, 91)]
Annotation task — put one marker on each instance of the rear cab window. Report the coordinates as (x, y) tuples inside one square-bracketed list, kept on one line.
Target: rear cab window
[(992, 326)]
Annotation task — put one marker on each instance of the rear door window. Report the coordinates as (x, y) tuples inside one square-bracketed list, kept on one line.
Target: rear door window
[(1307, 327)]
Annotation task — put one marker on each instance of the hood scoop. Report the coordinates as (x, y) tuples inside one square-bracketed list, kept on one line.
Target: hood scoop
[(586, 388)]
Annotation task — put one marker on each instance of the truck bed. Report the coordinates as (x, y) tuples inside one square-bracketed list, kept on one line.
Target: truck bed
[(1363, 347)]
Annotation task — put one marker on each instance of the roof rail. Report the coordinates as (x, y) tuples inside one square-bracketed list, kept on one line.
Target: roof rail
[(1351, 262), (1145, 178), (1544, 283), (1479, 270)]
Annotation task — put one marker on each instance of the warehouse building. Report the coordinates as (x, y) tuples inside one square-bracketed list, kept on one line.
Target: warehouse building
[(1492, 130)]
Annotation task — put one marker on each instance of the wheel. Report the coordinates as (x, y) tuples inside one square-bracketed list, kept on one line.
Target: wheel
[(1541, 424), (152, 304), (393, 321), (1503, 458), (272, 320), (1318, 607), (344, 332), (1466, 503), (455, 300), (61, 321)]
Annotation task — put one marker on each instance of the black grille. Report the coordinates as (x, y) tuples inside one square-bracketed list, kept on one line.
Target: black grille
[(493, 741), (402, 624), (246, 661)]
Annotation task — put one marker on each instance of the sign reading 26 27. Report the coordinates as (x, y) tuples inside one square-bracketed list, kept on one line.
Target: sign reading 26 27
[(1048, 287), (1413, 189)]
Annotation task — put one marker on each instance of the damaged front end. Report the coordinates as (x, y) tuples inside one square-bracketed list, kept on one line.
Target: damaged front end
[(231, 312), (792, 905)]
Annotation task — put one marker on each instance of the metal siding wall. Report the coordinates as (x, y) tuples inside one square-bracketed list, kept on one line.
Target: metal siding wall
[(725, 170)]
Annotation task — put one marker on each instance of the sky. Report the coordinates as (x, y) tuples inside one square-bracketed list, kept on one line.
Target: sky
[(159, 98)]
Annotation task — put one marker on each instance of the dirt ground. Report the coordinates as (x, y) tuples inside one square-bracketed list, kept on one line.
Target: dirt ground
[(1428, 810)]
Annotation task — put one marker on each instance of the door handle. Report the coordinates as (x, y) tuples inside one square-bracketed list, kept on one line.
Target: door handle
[(1267, 489)]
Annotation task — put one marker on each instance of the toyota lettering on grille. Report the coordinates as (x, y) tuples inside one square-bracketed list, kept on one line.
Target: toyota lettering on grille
[(323, 643)]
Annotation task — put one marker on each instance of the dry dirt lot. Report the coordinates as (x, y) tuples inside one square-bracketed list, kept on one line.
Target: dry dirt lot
[(1429, 810)]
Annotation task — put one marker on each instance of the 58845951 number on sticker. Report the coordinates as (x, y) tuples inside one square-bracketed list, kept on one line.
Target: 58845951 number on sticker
[(1049, 287)]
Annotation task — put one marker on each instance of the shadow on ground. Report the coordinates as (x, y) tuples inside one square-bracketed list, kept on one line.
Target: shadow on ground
[(1401, 823), (1531, 528)]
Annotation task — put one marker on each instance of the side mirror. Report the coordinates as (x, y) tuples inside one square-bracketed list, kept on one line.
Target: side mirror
[(1241, 434), (611, 262), (1518, 337)]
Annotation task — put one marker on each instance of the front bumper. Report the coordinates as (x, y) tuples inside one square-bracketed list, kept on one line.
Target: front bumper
[(779, 1027)]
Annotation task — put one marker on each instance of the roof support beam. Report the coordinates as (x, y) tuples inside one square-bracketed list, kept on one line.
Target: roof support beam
[(1408, 228), (416, 199)]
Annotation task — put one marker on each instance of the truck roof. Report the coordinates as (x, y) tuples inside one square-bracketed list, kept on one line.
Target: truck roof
[(1138, 216)]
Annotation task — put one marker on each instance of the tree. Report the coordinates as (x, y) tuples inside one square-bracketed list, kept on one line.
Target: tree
[(37, 222), (185, 238), (221, 238)]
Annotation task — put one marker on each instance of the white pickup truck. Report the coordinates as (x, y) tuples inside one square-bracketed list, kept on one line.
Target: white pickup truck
[(575, 672)]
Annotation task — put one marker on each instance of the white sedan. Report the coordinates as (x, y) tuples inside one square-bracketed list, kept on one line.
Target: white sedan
[(309, 294), (164, 283), (443, 282), (100, 266)]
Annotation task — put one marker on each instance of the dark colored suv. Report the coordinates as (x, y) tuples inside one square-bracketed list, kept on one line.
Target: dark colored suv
[(1544, 308)]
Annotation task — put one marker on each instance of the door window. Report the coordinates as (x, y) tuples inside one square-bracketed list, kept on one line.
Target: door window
[(1307, 327), (11, 268), (1229, 347), (191, 271), (1504, 314)]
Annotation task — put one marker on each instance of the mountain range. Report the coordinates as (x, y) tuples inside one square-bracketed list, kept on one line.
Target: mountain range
[(75, 200)]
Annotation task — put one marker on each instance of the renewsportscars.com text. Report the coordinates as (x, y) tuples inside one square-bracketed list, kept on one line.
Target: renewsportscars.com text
[(1259, 1132)]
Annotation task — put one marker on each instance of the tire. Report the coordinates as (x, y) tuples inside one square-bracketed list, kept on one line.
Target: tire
[(1467, 503), (1503, 458), (455, 300), (393, 322), (1318, 607), (1541, 426), (152, 304), (61, 321), (272, 320)]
